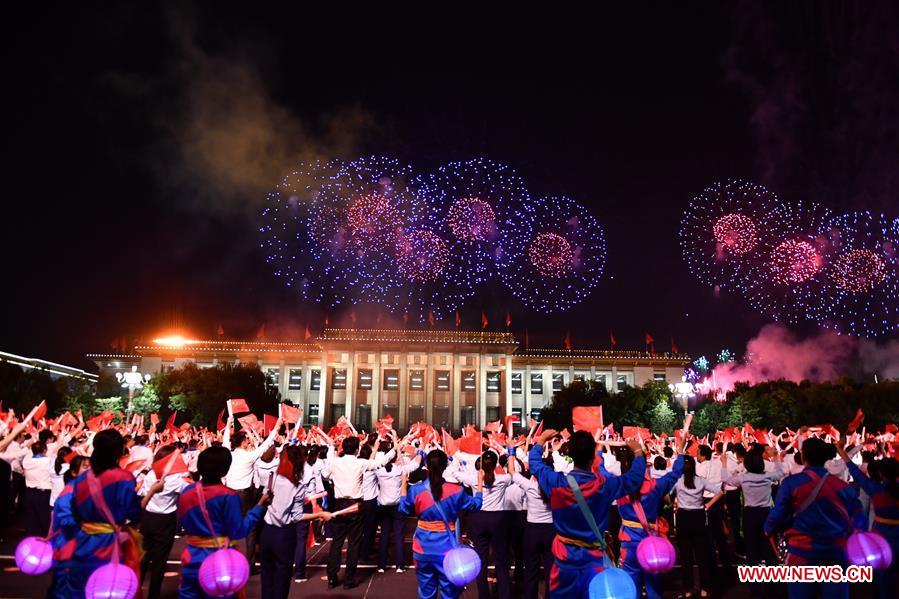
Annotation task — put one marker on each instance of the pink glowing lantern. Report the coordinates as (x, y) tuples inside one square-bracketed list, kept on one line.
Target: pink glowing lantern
[(869, 549), (461, 565), (112, 581), (656, 554), (224, 573), (34, 556)]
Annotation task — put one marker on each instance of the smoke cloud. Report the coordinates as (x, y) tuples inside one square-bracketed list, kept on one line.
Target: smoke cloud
[(777, 353)]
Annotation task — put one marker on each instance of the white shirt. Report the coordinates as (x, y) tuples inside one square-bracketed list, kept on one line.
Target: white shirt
[(756, 487), (733, 467), (287, 500), (514, 499), (692, 499), (166, 500), (390, 484), (14, 455), (711, 471), (346, 473), (263, 470), (493, 496), (141, 453), (240, 475), (37, 472), (57, 481), (611, 463), (191, 455), (539, 511)]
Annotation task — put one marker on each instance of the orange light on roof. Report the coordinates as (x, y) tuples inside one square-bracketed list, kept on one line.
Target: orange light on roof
[(174, 341)]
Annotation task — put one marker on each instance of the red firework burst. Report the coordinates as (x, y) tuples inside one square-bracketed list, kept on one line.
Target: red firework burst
[(794, 262), (859, 271), (735, 233), (471, 219), (421, 256), (552, 255)]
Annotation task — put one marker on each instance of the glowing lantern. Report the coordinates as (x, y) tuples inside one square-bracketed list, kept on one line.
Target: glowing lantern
[(112, 581), (461, 565), (34, 556), (224, 573), (612, 583), (869, 549), (656, 554)]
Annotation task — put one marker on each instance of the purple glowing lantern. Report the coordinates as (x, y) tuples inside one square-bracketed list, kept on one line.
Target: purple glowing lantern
[(612, 583), (224, 573), (869, 549), (112, 581), (656, 554), (461, 565), (34, 556)]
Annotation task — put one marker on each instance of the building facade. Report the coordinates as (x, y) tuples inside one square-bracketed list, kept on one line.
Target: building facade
[(447, 378)]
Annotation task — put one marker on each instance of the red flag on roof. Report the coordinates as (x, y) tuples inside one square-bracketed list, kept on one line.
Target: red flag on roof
[(239, 406), (508, 320), (431, 319), (220, 331), (260, 334), (458, 319), (856, 421), (353, 315), (587, 418), (406, 317), (649, 339), (291, 414), (170, 464), (612, 339), (568, 340), (674, 348), (308, 334), (484, 321)]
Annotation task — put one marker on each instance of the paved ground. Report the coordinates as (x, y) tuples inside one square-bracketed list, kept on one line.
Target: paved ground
[(14, 585)]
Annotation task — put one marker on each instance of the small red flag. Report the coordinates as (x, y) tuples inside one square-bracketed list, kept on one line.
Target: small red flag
[(587, 418), (291, 414), (568, 340), (406, 317), (431, 319), (612, 339), (353, 315), (268, 423), (219, 423), (674, 348), (857, 421), (508, 320), (154, 418), (484, 321), (327, 319), (220, 331), (238, 406), (260, 334), (471, 443), (458, 319), (170, 423), (449, 444), (492, 427), (308, 334), (649, 339), (40, 412), (170, 464), (509, 421)]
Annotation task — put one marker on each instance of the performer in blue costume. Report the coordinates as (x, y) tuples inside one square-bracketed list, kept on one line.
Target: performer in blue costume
[(577, 552), (432, 540), (223, 508)]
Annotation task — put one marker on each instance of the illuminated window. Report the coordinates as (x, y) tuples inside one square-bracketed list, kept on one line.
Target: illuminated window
[(315, 380), (516, 383), (442, 381), (338, 378), (416, 380), (364, 382), (295, 379), (469, 380), (658, 376), (537, 384), (493, 381), (558, 382), (391, 380)]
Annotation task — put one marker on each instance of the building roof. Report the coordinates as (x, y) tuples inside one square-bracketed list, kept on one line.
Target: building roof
[(601, 355), (54, 369), (417, 336)]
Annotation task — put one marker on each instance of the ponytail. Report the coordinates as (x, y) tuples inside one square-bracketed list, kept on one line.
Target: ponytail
[(488, 465), (689, 472), (436, 464)]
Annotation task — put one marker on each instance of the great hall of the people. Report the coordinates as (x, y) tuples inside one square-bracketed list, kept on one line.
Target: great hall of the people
[(449, 378)]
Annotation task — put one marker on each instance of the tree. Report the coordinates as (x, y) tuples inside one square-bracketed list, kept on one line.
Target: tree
[(662, 418)]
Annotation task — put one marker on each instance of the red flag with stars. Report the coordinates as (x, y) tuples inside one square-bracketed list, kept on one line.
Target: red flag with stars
[(856, 421), (568, 340), (587, 418), (308, 334), (484, 321), (431, 319), (508, 320), (220, 331), (458, 319), (612, 340), (40, 412), (291, 414), (170, 464), (674, 348), (170, 423)]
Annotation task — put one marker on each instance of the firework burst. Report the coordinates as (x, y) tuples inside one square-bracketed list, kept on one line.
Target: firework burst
[(563, 258)]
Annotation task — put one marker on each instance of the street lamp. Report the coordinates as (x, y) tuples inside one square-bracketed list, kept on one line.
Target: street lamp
[(132, 381)]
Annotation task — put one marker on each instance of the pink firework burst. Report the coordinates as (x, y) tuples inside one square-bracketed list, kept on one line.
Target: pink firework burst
[(735, 233), (551, 255), (373, 219), (794, 262), (471, 219), (859, 271), (421, 256)]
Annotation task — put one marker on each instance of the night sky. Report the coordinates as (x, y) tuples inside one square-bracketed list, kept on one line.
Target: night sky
[(142, 141)]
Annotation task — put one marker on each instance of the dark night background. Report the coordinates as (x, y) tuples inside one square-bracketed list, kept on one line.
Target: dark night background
[(142, 139)]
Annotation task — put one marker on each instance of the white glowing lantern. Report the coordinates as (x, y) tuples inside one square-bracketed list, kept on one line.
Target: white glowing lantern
[(683, 390), (132, 381)]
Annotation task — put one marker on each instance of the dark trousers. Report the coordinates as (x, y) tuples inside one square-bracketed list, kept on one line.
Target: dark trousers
[(732, 500), (392, 523), (158, 531), (276, 551), (692, 536), (369, 512), (345, 528), (18, 491), (5, 494), (37, 512), (518, 520), (758, 548), (248, 498), (489, 531), (299, 555), (717, 536), (538, 540)]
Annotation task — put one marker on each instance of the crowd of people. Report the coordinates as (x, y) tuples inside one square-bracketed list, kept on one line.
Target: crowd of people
[(545, 510)]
